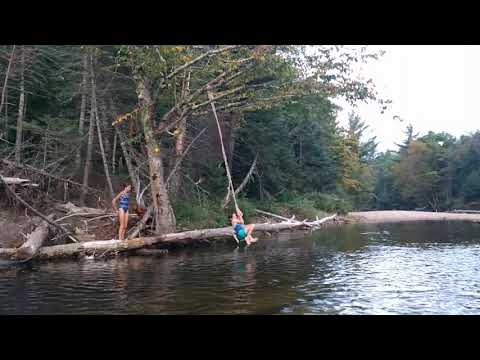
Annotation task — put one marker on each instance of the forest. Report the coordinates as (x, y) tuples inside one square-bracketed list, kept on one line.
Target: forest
[(80, 121)]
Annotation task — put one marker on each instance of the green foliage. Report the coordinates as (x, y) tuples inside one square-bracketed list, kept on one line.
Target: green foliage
[(295, 143), (191, 215), (308, 205), (387, 196), (288, 119), (471, 186)]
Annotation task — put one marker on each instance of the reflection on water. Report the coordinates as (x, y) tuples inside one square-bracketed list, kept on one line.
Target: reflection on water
[(423, 268)]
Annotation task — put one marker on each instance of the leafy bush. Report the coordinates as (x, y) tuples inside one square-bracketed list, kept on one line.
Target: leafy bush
[(204, 215)]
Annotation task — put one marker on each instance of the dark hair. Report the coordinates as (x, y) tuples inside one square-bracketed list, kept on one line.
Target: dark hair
[(125, 185)]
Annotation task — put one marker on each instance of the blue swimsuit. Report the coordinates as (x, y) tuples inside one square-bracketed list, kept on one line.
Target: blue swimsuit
[(124, 202), (240, 231)]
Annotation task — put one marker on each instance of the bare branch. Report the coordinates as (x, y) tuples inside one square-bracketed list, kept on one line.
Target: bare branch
[(7, 74), (243, 184), (198, 58), (183, 156)]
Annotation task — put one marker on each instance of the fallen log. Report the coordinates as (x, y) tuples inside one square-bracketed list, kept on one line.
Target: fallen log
[(116, 246), (33, 243)]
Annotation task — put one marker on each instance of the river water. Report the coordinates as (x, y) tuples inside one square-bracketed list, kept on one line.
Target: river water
[(409, 268)]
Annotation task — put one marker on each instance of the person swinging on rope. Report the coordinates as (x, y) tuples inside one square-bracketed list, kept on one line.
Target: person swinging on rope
[(122, 210), (242, 231)]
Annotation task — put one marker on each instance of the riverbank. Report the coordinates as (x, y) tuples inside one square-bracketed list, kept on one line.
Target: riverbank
[(95, 245), (389, 216)]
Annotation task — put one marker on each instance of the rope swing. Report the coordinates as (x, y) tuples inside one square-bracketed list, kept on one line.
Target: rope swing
[(230, 182)]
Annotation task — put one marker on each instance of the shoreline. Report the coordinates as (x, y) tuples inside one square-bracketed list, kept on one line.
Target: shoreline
[(394, 216), (363, 217)]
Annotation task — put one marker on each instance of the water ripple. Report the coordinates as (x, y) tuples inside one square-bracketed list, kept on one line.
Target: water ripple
[(395, 269)]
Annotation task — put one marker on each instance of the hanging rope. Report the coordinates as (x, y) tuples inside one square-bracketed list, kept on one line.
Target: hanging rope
[(230, 182)]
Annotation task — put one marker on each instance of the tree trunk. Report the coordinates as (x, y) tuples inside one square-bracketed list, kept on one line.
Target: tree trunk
[(126, 155), (91, 131), (127, 158), (6, 114), (106, 130), (114, 152), (4, 99), (21, 109), (233, 127), (83, 106), (45, 143), (175, 182), (163, 212), (176, 179), (100, 140)]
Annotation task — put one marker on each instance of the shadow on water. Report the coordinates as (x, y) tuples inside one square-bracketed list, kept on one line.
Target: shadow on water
[(362, 269)]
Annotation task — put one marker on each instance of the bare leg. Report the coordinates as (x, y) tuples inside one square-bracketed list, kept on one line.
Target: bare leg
[(125, 224), (250, 238), (121, 213)]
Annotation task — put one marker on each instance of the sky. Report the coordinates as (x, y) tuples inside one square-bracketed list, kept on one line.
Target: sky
[(433, 87)]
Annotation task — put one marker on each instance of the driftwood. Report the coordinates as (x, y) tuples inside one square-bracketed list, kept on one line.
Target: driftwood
[(17, 181), (275, 215), (466, 211), (33, 243), (116, 246), (71, 208), (38, 213), (44, 173), (141, 224)]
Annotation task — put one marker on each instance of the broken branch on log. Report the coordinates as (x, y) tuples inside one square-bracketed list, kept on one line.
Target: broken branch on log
[(141, 224), (33, 243), (275, 215)]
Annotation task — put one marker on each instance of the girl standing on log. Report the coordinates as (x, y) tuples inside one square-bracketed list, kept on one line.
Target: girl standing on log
[(124, 197)]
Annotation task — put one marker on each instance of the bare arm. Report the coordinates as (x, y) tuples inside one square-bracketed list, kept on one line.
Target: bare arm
[(240, 216), (114, 201)]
